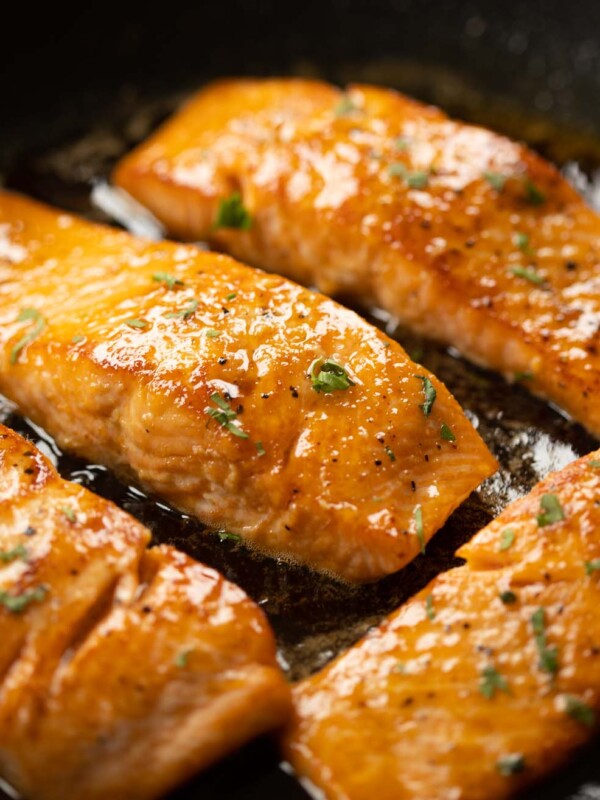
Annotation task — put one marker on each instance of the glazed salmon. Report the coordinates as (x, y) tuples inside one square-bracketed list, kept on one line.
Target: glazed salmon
[(485, 680), (246, 400), (463, 235), (123, 670)]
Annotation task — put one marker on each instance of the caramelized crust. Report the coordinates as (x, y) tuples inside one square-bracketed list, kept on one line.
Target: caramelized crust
[(123, 671), (462, 234), (484, 681), (157, 359)]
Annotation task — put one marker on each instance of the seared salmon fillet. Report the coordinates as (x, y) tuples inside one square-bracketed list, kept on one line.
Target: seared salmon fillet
[(482, 682), (241, 398), (123, 670), (463, 235)]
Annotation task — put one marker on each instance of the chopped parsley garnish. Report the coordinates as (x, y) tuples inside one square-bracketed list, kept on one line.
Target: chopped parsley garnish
[(523, 376), (446, 433), (17, 603), (260, 449), (551, 510), (414, 180), (402, 143), (508, 597), (592, 566), (20, 551), (182, 658), (492, 682), (345, 106), (533, 195), (595, 464), (136, 323), (77, 339), (418, 516), (521, 240), (69, 513), (495, 179), (232, 213), (225, 536), (231, 296), (225, 415), (390, 453), (26, 315), (429, 609), (212, 333), (528, 274), (548, 655), (507, 537), (511, 764), (579, 711), (429, 392), (185, 313), (170, 280), (328, 376)]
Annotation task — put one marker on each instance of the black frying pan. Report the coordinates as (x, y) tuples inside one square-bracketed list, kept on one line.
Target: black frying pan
[(80, 88)]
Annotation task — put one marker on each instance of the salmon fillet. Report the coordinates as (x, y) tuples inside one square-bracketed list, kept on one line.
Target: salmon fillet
[(241, 398), (123, 670), (482, 682), (463, 235)]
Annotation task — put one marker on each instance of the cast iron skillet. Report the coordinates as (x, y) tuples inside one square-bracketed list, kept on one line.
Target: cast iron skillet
[(79, 89)]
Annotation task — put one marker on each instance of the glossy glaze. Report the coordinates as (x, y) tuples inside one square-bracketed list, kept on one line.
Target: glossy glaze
[(435, 245), (131, 669), (402, 714), (341, 474)]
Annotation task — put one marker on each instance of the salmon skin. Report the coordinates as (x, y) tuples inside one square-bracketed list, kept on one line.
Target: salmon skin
[(463, 235), (123, 670), (254, 404), (482, 682)]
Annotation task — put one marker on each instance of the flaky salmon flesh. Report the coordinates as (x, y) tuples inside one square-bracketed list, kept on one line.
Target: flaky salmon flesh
[(486, 680), (123, 670), (463, 235), (256, 405)]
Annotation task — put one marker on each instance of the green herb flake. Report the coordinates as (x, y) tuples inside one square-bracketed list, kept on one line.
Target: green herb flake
[(429, 392), (595, 464), (528, 274), (226, 536), (429, 609), (20, 551), (17, 603), (260, 449), (231, 296), (27, 315), (592, 566), (77, 339), (579, 711), (507, 537), (418, 517), (446, 433), (389, 453), (418, 179), (181, 660), (523, 376), (399, 667), (211, 333), (170, 280), (551, 510), (185, 313), (69, 513), (495, 179), (328, 376), (511, 764), (136, 323), (521, 240), (225, 415), (492, 682), (232, 213), (548, 661), (345, 106), (508, 597), (534, 195), (402, 143)]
